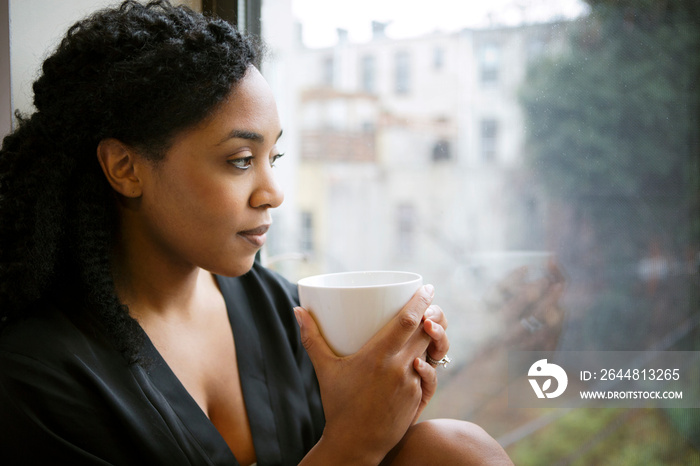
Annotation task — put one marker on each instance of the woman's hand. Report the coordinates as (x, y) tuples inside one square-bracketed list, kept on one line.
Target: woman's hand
[(435, 325), (372, 397)]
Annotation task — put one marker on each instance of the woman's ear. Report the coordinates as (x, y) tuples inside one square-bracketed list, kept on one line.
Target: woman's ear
[(119, 164)]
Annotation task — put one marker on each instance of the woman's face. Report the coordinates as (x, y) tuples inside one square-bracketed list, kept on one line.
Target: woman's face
[(207, 203)]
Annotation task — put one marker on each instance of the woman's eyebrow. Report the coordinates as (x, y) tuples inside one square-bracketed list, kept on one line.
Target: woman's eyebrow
[(249, 135)]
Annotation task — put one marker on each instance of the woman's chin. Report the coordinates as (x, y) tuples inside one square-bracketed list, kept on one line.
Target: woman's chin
[(240, 267)]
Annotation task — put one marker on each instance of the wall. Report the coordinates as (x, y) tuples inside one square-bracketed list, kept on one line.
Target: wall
[(36, 28)]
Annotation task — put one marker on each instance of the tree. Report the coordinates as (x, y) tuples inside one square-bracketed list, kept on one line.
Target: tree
[(613, 136)]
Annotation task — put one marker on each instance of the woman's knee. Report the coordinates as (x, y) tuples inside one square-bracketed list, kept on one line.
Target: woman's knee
[(448, 442)]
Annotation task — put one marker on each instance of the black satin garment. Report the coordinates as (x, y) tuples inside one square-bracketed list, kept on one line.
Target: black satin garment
[(68, 397)]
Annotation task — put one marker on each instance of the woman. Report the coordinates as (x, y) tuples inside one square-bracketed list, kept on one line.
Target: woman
[(136, 326)]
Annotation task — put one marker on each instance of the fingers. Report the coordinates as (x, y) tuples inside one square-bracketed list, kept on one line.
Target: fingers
[(435, 332), (436, 314), (311, 338), (401, 328), (428, 377), (435, 325), (439, 343), (427, 374)]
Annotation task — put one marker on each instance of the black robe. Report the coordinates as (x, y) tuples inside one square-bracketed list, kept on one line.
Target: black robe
[(67, 396)]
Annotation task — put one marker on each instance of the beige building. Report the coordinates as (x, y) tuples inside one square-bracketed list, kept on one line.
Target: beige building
[(409, 148), (410, 157)]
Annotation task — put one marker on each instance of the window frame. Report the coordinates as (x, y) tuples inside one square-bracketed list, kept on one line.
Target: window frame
[(244, 14)]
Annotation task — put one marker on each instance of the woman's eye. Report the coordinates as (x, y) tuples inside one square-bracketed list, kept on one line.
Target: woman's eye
[(275, 158), (242, 163)]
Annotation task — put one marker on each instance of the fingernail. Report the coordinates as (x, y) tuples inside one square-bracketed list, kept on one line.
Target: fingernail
[(429, 313), (429, 289), (297, 314)]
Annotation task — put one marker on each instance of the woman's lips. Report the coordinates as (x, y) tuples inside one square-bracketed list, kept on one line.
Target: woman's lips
[(255, 236)]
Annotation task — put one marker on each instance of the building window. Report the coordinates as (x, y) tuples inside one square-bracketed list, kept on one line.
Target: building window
[(489, 140), (489, 63), (328, 71), (441, 151), (307, 232), (536, 47), (438, 58), (406, 226), (368, 71), (403, 73)]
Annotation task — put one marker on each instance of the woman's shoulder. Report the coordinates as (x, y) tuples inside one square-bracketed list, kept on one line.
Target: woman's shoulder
[(50, 356), (41, 328), (67, 395), (47, 336)]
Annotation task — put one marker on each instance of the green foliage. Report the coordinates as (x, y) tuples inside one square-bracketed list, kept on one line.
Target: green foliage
[(650, 10), (606, 436), (617, 116), (613, 132), (558, 440)]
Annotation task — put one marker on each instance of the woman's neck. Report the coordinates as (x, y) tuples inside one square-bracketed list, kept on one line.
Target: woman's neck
[(154, 284)]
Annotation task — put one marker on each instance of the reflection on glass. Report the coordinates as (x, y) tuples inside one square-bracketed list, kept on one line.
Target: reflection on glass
[(540, 167)]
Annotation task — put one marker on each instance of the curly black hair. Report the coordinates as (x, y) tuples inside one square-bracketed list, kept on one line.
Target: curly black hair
[(137, 73)]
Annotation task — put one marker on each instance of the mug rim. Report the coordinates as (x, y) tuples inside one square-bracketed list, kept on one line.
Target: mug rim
[(410, 277)]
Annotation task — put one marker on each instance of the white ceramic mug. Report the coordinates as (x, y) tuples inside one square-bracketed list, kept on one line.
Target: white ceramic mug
[(350, 307)]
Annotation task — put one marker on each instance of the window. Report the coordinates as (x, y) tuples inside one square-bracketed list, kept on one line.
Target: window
[(489, 63), (438, 58), (590, 159), (489, 140), (307, 232), (368, 73), (535, 47), (328, 69), (441, 151), (403, 72)]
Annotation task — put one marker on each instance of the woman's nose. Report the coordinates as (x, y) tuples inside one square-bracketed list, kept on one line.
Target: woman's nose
[(268, 192)]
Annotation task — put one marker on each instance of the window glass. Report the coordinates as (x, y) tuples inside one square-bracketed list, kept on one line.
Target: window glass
[(441, 151), (405, 223), (489, 139), (489, 63), (438, 57), (307, 232), (403, 72), (368, 73), (545, 181), (328, 70)]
